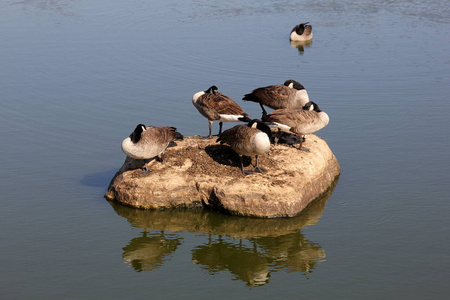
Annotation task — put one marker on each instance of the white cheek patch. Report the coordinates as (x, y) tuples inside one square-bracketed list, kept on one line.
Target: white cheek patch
[(230, 118), (282, 127)]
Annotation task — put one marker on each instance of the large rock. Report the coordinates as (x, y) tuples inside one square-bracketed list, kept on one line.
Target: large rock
[(200, 172)]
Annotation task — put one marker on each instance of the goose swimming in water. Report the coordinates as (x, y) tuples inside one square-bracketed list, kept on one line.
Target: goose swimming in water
[(252, 139), (301, 33), (291, 94), (299, 121), (147, 142), (216, 106)]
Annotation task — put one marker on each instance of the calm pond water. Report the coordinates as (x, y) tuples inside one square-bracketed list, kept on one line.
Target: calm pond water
[(77, 76)]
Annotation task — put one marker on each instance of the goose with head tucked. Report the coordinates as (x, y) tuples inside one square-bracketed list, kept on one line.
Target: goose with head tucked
[(216, 106), (250, 140), (291, 94), (301, 33), (147, 142), (299, 121)]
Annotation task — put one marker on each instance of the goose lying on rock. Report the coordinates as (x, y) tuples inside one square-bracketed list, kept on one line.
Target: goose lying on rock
[(291, 94), (301, 33), (252, 139), (147, 142), (216, 106), (299, 121)]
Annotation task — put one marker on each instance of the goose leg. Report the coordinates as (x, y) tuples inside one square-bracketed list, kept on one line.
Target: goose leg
[(300, 146), (245, 172), (264, 111), (277, 137), (220, 127), (258, 169), (275, 140), (210, 129), (162, 158), (146, 168)]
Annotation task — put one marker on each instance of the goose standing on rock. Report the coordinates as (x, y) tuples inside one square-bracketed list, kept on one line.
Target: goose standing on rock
[(301, 33), (216, 106), (299, 121), (147, 142), (252, 139), (291, 94)]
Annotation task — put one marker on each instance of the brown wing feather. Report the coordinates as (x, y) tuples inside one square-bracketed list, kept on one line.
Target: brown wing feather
[(239, 138), (301, 121), (160, 135), (230, 136), (287, 116), (222, 104), (273, 96)]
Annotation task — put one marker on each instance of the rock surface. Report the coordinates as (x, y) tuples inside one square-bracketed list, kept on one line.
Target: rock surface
[(199, 172)]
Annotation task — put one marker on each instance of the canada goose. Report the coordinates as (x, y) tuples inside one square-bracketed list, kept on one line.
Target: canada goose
[(299, 121), (216, 106), (291, 94), (249, 140), (147, 142), (301, 33)]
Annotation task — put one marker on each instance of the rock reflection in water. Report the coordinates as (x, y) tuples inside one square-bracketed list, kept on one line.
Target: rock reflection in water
[(251, 249), (252, 259)]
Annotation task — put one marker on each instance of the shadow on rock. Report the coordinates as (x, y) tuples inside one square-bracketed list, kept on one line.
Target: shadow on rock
[(224, 155)]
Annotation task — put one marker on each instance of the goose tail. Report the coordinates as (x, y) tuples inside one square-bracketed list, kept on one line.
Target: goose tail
[(250, 97), (178, 136), (245, 118)]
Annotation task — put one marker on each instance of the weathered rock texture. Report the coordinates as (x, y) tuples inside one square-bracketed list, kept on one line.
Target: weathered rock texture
[(200, 172), (207, 222)]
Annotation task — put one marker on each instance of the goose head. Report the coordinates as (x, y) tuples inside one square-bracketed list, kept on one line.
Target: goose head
[(294, 84), (258, 124), (212, 90), (307, 28), (312, 106), (137, 133), (302, 28)]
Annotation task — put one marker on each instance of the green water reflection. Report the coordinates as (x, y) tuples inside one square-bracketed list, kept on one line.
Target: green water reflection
[(249, 248)]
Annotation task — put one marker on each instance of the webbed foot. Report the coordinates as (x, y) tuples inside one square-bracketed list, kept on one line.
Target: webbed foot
[(259, 170), (145, 172), (247, 172), (304, 149)]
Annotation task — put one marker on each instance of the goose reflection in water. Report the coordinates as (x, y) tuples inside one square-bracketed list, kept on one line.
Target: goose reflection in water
[(245, 263), (251, 249), (254, 263), (150, 251), (300, 45)]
